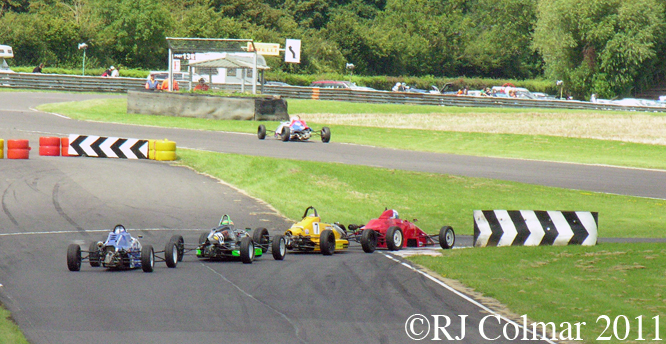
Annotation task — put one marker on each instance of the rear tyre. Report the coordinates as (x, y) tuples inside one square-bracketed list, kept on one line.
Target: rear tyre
[(261, 238), (147, 258), (327, 242), (325, 134), (447, 237), (93, 254), (74, 257), (279, 247), (180, 244), (171, 254), (285, 134), (369, 240), (261, 132), (394, 238), (247, 250)]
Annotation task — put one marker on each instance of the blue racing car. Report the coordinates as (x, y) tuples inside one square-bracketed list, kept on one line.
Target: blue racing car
[(122, 251)]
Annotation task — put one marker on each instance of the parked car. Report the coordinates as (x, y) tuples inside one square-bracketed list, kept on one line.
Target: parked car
[(340, 84), (6, 52), (178, 76)]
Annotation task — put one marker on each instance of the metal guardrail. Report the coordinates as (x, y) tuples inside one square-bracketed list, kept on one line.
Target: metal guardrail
[(102, 84)]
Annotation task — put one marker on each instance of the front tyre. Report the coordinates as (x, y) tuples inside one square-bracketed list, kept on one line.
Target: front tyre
[(285, 134), (261, 132), (447, 237), (247, 250), (394, 238), (180, 244), (147, 258), (327, 242), (325, 134), (261, 238), (369, 240), (279, 247), (74, 257), (171, 254)]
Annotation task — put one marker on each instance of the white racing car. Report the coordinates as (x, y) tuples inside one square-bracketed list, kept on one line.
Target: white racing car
[(295, 130)]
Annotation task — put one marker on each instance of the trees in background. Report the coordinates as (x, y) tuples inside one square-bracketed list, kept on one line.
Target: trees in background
[(606, 47)]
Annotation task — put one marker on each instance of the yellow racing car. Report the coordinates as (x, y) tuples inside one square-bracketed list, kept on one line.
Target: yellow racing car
[(312, 235)]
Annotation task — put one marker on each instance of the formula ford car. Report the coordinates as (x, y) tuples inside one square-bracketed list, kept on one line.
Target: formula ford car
[(296, 130), (121, 251), (390, 232), (312, 235), (228, 242)]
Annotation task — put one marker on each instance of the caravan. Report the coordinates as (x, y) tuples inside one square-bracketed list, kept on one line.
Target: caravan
[(226, 68), (6, 52)]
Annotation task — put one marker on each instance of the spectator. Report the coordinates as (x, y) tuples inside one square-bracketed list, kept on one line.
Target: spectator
[(152, 84), (114, 72), (165, 85), (201, 86), (107, 73), (38, 69), (396, 88)]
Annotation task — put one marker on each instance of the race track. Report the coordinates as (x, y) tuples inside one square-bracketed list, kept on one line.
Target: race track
[(351, 297)]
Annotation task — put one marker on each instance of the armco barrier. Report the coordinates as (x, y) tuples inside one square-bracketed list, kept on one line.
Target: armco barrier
[(534, 228), (49, 146), (18, 149)]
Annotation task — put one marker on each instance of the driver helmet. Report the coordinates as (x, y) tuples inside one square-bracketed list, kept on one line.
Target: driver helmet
[(226, 221), (119, 228), (395, 215)]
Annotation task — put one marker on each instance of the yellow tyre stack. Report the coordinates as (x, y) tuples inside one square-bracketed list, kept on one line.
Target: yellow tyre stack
[(2, 149), (162, 150)]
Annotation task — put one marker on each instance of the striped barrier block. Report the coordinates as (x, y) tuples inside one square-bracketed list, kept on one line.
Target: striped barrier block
[(107, 147), (534, 228)]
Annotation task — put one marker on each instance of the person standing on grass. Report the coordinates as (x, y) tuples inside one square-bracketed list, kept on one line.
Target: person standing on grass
[(38, 69)]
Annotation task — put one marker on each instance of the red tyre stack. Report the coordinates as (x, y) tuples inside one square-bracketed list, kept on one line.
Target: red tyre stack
[(18, 149), (64, 144), (49, 146)]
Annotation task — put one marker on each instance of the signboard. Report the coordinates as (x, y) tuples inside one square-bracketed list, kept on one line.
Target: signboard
[(269, 49), (184, 56), (292, 51), (176, 65)]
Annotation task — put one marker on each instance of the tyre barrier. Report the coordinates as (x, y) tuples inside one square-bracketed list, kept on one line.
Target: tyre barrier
[(18, 149), (162, 150), (49, 146), (535, 228), (64, 147), (2, 149)]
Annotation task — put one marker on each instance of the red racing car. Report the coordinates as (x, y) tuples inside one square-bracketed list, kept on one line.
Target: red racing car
[(390, 232)]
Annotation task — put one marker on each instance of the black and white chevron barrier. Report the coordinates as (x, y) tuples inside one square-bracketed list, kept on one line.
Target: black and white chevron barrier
[(534, 228), (108, 147)]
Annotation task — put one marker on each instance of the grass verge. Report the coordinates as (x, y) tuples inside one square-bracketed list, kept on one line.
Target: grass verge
[(537, 147), (9, 332), (568, 284), (354, 194)]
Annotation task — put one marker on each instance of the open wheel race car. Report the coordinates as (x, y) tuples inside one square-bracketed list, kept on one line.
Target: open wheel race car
[(228, 242), (296, 130), (312, 235), (390, 232), (121, 251)]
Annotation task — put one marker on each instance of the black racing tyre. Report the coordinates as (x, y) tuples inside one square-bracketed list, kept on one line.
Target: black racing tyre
[(202, 238), (279, 247), (325, 134), (171, 254), (394, 238), (93, 254), (74, 257), (247, 250), (369, 240), (180, 244), (147, 258), (327, 242), (261, 132), (285, 134), (261, 238), (447, 237)]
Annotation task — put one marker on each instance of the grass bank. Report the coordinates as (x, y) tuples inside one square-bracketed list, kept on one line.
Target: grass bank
[(9, 332), (569, 284), (523, 146), (354, 194)]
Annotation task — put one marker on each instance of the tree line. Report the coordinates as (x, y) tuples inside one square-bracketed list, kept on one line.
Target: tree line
[(608, 47)]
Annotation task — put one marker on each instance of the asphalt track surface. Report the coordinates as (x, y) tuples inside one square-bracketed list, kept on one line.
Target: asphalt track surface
[(50, 202)]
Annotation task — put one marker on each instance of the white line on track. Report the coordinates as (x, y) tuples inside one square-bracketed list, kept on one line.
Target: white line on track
[(463, 296), (101, 230), (51, 113)]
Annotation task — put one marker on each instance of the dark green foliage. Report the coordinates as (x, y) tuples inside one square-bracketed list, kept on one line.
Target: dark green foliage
[(608, 47)]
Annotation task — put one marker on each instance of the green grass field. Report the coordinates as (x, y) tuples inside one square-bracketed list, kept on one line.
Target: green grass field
[(547, 283)]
